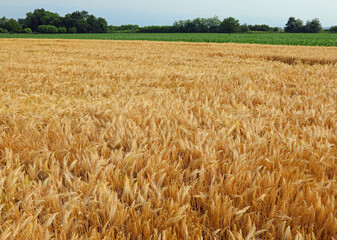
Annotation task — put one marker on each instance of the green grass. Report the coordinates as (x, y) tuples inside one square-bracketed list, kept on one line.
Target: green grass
[(306, 39)]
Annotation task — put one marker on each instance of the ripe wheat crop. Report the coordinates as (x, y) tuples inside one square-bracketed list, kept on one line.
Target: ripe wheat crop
[(154, 140)]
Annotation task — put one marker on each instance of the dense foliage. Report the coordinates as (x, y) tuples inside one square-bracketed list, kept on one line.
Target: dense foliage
[(10, 25), (333, 29), (197, 25), (62, 29), (230, 25), (47, 29), (129, 28), (79, 21), (296, 26)]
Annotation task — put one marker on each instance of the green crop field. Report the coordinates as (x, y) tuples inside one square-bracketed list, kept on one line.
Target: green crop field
[(306, 39)]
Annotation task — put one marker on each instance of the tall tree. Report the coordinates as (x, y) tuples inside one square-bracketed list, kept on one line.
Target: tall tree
[(290, 25), (229, 25), (294, 25), (80, 15), (213, 23), (2, 22), (10, 24), (190, 26), (200, 25), (33, 19), (82, 26), (93, 24), (313, 26), (102, 25), (50, 18), (244, 28), (333, 29)]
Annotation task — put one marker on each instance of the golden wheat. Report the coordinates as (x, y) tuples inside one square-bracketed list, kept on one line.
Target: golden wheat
[(154, 140)]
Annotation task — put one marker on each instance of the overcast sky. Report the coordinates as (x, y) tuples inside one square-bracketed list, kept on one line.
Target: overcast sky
[(165, 12)]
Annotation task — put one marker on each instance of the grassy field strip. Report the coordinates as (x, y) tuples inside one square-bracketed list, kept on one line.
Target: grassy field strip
[(305, 39)]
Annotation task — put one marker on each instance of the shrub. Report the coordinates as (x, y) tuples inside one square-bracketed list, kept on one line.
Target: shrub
[(28, 30), (3, 30), (62, 30), (47, 29), (72, 30)]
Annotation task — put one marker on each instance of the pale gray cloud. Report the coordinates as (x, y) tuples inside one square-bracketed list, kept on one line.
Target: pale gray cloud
[(147, 12)]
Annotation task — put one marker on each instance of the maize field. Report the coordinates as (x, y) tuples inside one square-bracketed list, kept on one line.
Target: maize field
[(167, 140)]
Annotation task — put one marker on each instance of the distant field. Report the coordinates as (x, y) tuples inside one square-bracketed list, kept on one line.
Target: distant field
[(162, 140), (305, 39)]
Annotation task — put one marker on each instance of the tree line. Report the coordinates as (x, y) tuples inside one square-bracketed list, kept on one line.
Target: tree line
[(228, 25), (197, 25), (42, 21), (296, 26)]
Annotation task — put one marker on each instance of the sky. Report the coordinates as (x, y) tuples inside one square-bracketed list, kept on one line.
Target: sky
[(165, 12)]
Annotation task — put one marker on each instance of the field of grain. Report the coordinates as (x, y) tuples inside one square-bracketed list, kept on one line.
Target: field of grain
[(154, 140)]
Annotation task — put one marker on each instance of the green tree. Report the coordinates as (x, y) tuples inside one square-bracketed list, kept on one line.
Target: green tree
[(82, 26), (262, 28), (50, 18), (102, 25), (72, 30), (299, 26), (200, 25), (244, 28), (13, 26), (33, 19), (333, 29), (197, 25), (229, 25), (68, 21), (22, 22), (294, 25), (92, 24), (178, 26), (80, 15), (3, 20), (85, 23), (290, 25), (190, 26), (313, 26), (77, 19), (213, 23)]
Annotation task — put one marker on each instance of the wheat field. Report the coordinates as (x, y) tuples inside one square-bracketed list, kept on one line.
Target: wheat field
[(157, 140)]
